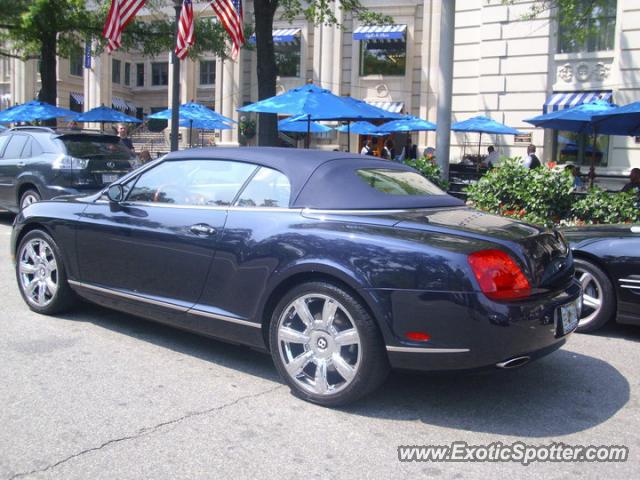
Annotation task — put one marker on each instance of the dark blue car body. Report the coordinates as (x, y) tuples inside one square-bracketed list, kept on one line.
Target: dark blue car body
[(408, 264)]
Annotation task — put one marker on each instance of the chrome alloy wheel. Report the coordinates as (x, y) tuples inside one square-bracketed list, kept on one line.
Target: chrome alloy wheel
[(38, 272), (28, 200), (591, 296), (319, 344)]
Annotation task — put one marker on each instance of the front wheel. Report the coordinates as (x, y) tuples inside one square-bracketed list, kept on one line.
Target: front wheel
[(598, 296), (41, 275), (326, 345)]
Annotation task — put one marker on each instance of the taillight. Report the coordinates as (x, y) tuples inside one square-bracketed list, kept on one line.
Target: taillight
[(498, 275), (66, 162)]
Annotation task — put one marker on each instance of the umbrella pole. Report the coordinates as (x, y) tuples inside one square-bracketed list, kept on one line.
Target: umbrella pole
[(308, 139), (190, 133), (592, 170), (479, 143), (349, 137)]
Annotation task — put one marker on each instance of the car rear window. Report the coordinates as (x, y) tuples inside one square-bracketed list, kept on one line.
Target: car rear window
[(96, 148), (398, 182)]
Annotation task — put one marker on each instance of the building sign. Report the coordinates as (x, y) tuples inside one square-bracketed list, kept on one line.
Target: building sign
[(522, 138)]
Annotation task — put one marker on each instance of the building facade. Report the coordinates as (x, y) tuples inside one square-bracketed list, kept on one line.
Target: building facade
[(506, 67)]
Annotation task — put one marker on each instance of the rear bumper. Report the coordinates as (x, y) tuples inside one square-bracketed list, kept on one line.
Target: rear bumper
[(469, 331)]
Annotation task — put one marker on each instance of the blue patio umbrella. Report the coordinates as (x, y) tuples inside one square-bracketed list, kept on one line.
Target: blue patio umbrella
[(408, 123), (192, 112), (105, 115), (34, 111), (300, 126), (623, 120), (311, 102), (482, 124), (205, 124), (361, 128), (578, 119)]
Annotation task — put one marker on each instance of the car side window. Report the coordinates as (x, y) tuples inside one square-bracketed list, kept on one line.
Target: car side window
[(3, 142), (267, 188), (26, 150), (192, 182), (15, 146)]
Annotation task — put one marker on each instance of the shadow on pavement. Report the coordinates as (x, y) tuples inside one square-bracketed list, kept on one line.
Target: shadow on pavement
[(616, 330), (6, 218), (561, 394)]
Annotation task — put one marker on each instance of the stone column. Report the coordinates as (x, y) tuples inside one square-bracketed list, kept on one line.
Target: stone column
[(229, 98), (23, 81)]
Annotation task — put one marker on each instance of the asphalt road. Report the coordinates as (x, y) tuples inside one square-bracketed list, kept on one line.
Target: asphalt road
[(98, 394)]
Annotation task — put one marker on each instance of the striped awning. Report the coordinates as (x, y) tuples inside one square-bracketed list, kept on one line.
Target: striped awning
[(282, 35), (393, 107), (561, 100), (118, 103), (77, 97), (380, 32), (131, 106)]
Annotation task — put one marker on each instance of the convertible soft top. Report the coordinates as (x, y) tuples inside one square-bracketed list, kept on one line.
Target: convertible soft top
[(322, 179)]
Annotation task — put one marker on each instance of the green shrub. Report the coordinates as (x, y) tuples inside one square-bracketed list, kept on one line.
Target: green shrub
[(429, 169), (542, 196), (599, 206)]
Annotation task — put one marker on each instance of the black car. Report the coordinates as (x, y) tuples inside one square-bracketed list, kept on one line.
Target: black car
[(341, 265), (607, 262), (40, 163)]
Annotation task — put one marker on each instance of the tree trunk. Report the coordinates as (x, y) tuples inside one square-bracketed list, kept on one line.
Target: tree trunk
[(48, 74), (264, 11)]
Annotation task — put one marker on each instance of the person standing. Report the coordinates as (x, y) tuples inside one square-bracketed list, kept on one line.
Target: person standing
[(493, 157), (531, 160), (367, 149), (124, 137), (634, 181)]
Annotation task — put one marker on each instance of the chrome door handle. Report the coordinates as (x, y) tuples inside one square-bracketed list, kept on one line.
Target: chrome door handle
[(21, 164), (202, 229)]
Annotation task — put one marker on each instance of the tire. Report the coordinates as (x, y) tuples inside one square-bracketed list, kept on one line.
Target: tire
[(28, 197), (326, 346), (38, 260), (599, 297)]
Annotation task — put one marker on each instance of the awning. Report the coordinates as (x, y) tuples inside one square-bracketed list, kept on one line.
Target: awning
[(119, 103), (77, 97), (561, 100), (131, 106), (380, 32), (393, 107), (282, 35)]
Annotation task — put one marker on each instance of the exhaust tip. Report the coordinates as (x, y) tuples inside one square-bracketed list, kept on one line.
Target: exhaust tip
[(514, 362)]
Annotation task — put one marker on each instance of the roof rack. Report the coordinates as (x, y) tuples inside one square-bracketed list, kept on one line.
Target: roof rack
[(33, 128)]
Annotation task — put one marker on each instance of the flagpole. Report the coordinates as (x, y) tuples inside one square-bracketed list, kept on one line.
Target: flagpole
[(175, 87)]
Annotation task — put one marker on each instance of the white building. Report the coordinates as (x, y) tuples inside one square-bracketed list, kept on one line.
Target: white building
[(506, 67)]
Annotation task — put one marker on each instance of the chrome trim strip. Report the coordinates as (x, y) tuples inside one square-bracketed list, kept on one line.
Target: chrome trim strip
[(381, 211), (629, 280), (128, 296), (632, 287), (426, 350), (225, 318), (635, 229), (211, 207)]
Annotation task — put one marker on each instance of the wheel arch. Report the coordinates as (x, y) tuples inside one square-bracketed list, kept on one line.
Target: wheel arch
[(595, 260), (310, 274)]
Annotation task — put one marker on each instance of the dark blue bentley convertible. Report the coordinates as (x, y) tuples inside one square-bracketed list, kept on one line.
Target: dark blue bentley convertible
[(340, 265)]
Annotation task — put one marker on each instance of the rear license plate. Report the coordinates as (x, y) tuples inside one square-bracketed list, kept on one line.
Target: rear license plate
[(109, 177), (568, 316)]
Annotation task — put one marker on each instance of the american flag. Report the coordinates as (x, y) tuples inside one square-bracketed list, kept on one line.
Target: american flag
[(231, 15), (186, 34), (120, 14)]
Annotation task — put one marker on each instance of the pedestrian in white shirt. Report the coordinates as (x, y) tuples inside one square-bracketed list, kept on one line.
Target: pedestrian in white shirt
[(493, 157), (531, 160)]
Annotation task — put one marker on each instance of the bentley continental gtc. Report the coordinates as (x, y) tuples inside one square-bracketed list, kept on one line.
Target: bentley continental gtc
[(341, 266)]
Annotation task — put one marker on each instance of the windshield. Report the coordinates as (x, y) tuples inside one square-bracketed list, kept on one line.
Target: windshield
[(398, 182), (96, 147)]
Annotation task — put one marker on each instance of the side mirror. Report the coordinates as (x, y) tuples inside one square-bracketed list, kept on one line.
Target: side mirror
[(115, 193)]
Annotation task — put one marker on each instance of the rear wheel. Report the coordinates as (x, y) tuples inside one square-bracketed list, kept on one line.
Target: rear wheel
[(599, 298), (41, 275), (28, 197), (326, 345)]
